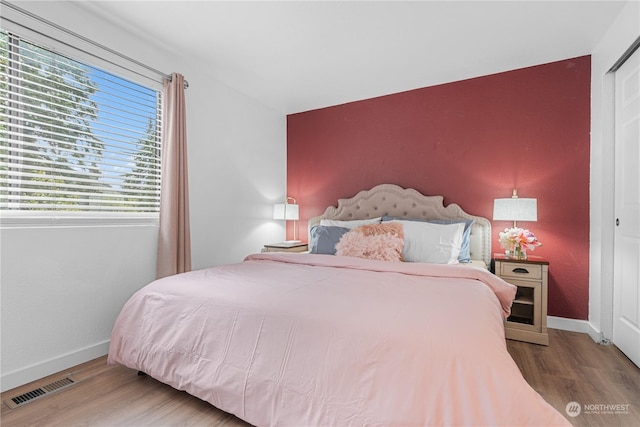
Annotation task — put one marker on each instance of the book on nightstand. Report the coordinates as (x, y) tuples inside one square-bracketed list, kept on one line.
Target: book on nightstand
[(290, 246)]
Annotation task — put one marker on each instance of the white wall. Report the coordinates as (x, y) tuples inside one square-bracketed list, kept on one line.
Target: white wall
[(61, 288), (620, 36)]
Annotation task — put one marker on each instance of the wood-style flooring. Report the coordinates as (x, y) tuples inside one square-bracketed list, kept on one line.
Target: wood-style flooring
[(572, 369)]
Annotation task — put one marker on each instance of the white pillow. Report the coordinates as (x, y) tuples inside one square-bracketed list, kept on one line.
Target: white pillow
[(350, 224), (428, 242)]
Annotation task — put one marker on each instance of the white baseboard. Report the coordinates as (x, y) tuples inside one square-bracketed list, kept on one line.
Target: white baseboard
[(565, 324), (25, 375), (597, 335), (574, 325)]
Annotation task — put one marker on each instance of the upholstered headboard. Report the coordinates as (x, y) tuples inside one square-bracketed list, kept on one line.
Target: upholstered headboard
[(393, 200)]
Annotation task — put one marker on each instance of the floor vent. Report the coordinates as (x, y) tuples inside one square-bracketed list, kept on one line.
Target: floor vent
[(31, 395)]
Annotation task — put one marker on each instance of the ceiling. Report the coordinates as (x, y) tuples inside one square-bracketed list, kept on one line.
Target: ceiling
[(298, 55)]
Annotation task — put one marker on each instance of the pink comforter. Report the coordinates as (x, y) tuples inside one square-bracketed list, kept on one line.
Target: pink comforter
[(318, 340)]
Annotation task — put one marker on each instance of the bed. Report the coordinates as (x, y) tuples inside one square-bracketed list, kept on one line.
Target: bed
[(313, 339)]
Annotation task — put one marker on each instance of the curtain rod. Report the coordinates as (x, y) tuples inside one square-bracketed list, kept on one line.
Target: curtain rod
[(84, 39)]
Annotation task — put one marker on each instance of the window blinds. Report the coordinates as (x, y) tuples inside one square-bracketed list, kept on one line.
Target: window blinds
[(74, 138)]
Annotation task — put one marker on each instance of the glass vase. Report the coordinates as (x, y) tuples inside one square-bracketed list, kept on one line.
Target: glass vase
[(517, 253)]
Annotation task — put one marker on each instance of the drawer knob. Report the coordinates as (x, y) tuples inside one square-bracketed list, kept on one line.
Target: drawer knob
[(520, 270)]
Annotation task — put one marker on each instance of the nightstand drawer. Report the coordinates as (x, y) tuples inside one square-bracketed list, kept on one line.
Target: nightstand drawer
[(517, 270)]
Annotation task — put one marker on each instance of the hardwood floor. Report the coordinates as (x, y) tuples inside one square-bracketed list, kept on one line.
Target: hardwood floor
[(572, 369), (112, 396)]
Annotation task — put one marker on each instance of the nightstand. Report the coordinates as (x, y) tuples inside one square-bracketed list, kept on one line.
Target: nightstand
[(286, 247), (528, 319)]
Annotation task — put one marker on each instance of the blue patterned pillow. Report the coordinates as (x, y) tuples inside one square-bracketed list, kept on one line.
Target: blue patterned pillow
[(323, 239)]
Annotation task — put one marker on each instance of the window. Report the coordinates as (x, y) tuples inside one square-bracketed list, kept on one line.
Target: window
[(75, 141)]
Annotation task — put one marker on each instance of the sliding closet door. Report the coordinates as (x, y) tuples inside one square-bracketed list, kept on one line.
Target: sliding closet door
[(626, 310)]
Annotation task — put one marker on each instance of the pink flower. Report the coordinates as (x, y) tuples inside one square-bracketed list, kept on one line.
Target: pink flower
[(513, 238)]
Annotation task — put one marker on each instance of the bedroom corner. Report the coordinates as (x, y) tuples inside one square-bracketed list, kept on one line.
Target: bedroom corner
[(62, 287)]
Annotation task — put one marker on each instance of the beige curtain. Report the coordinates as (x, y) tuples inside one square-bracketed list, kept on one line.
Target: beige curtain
[(174, 237)]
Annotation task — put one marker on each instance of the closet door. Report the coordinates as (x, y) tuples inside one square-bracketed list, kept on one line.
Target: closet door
[(626, 291)]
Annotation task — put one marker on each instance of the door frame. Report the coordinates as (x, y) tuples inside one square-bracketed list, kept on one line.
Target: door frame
[(617, 282), (609, 54)]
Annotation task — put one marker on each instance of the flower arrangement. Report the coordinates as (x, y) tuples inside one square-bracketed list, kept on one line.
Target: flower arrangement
[(517, 240)]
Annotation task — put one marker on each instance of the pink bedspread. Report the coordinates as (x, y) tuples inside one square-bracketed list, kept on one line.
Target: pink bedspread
[(317, 340)]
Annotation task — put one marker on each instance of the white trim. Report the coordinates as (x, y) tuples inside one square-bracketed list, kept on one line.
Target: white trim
[(565, 324), (35, 219), (574, 325), (597, 336), (620, 35), (40, 370)]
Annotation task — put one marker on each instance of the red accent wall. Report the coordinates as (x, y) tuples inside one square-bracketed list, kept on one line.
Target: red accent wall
[(471, 141)]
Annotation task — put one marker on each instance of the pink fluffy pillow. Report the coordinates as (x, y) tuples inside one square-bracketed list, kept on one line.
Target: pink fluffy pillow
[(383, 242)]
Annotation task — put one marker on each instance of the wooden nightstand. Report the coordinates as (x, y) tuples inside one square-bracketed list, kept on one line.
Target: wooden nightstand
[(528, 320), (286, 247)]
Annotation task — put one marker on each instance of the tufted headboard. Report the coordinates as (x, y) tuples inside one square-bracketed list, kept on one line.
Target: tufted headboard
[(393, 200)]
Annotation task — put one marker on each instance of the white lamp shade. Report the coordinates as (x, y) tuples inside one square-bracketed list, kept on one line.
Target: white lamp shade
[(286, 211), (515, 209)]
